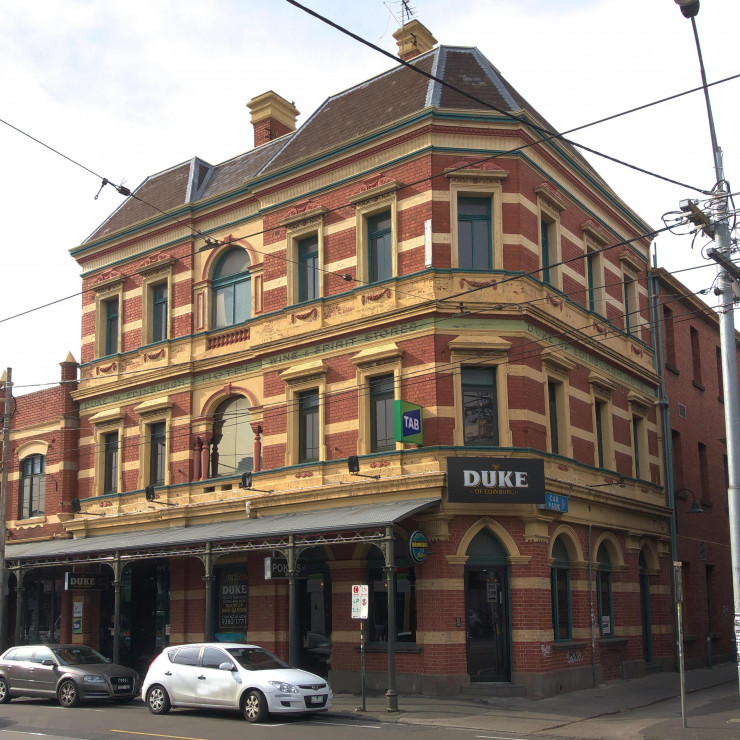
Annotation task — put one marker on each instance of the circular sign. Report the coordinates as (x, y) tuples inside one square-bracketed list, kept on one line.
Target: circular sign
[(418, 547)]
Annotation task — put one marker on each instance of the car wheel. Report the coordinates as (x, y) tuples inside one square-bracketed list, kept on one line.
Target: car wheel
[(67, 694), (158, 700), (4, 691), (254, 706)]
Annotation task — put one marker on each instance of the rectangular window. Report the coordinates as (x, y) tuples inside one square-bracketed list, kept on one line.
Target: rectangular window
[(405, 581), (474, 233), (381, 413), (33, 486), (639, 446), (308, 268), (696, 357), (380, 247), (720, 378), (670, 342), (480, 407), (561, 603), (704, 473), (157, 453), (545, 231), (308, 426), (111, 326), (554, 390), (630, 304), (604, 593), (591, 280), (159, 312), (600, 414), (110, 463)]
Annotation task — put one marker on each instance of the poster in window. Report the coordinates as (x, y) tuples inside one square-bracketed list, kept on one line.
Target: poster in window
[(233, 597)]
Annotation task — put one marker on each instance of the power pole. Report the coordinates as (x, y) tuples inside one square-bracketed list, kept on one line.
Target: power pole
[(8, 385), (717, 225)]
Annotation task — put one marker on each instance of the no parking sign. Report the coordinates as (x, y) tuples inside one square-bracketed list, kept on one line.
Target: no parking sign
[(360, 599)]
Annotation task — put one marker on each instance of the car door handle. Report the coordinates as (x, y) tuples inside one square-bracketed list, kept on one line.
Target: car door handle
[(201, 678), (168, 673)]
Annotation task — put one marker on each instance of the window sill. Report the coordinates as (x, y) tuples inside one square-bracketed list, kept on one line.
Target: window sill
[(615, 642), (672, 368), (398, 647), (698, 385), (568, 644)]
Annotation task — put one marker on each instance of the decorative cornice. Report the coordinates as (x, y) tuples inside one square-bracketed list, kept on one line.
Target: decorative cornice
[(551, 195), (594, 232), (155, 263), (373, 188), (628, 259), (106, 281), (468, 170), (308, 210)]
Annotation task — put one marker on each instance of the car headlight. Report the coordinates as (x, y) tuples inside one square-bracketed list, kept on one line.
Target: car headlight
[(93, 679), (283, 687)]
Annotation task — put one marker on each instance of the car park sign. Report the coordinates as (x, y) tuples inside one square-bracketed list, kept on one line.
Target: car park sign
[(360, 600)]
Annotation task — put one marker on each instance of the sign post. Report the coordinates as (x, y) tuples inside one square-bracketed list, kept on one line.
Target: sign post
[(360, 599)]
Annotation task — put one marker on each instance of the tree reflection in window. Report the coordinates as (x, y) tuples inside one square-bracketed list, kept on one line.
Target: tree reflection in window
[(480, 408)]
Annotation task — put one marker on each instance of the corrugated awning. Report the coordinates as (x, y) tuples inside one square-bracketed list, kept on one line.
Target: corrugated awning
[(270, 531)]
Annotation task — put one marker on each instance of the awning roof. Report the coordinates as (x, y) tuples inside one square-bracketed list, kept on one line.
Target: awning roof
[(307, 527)]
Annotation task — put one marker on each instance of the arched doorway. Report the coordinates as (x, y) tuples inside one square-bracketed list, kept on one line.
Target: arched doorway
[(487, 609)]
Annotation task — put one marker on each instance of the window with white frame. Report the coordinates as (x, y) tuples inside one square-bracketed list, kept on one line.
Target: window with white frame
[(232, 289)]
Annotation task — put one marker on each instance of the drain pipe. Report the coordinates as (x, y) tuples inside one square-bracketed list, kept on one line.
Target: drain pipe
[(593, 616)]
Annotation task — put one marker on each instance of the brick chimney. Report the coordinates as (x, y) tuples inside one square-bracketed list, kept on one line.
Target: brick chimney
[(272, 116), (413, 39), (69, 369)]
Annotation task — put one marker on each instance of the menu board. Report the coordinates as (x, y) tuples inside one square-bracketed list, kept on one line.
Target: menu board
[(233, 598)]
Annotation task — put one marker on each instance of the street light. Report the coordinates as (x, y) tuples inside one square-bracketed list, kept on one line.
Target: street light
[(695, 508), (726, 272)]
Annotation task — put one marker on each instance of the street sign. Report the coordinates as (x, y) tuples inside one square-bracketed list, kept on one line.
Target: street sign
[(360, 601), (554, 502)]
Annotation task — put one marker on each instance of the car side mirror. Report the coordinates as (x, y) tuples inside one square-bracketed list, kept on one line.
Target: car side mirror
[(48, 662), (227, 666)]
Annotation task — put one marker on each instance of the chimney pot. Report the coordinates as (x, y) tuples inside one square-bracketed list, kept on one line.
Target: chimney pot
[(272, 116)]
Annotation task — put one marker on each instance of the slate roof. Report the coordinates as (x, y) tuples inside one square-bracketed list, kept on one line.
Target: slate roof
[(345, 117)]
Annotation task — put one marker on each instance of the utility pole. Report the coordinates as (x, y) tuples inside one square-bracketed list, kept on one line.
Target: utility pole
[(717, 225), (8, 385)]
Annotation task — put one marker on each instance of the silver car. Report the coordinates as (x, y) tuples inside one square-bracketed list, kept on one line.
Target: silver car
[(222, 675), (69, 673)]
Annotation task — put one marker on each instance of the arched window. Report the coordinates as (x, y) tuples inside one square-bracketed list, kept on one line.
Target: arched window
[(604, 592), (234, 437), (232, 289), (33, 486), (560, 575)]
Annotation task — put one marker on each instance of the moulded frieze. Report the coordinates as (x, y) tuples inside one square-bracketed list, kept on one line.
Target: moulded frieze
[(155, 263)]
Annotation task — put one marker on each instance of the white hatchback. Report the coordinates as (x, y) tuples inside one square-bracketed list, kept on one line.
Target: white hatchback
[(224, 675)]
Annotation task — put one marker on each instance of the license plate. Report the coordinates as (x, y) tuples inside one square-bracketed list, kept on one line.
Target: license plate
[(317, 700)]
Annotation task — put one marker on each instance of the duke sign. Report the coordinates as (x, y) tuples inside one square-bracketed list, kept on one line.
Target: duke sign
[(495, 480)]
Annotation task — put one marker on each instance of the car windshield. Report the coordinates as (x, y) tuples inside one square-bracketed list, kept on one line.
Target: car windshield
[(78, 655), (256, 659)]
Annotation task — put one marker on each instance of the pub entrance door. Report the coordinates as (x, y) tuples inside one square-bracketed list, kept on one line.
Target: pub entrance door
[(487, 610)]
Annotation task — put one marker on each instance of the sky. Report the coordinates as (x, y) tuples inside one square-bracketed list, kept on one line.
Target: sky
[(128, 89)]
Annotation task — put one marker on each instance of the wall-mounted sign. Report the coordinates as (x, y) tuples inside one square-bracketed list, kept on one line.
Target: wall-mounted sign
[(495, 480), (278, 568), (554, 502), (418, 547), (233, 598), (408, 425), (85, 581)]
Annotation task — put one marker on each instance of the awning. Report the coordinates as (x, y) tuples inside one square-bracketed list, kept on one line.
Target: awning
[(322, 526)]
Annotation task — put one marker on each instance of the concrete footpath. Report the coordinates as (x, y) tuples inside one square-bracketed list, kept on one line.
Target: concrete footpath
[(519, 716)]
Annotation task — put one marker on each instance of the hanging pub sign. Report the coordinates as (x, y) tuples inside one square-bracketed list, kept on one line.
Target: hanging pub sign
[(495, 480), (276, 568), (418, 547), (85, 581), (233, 598)]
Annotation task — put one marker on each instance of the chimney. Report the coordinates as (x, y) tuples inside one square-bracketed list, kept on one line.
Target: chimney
[(413, 39), (69, 369), (272, 117)]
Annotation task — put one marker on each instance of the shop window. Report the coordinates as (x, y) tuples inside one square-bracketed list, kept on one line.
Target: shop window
[(233, 437), (159, 305), (480, 408), (232, 289), (405, 580), (474, 241), (560, 586), (111, 326), (308, 426), (157, 453), (33, 486), (381, 413), (604, 592), (110, 463), (380, 247), (308, 268)]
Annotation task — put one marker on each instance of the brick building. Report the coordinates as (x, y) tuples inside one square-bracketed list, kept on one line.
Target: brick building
[(406, 243)]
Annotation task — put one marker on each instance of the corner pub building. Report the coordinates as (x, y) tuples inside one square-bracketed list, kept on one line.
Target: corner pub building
[(406, 243)]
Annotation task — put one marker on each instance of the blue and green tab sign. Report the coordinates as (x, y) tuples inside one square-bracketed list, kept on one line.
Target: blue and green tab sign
[(407, 423)]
